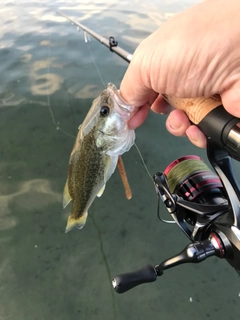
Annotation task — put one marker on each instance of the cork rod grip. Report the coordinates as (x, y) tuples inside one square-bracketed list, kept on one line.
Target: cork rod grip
[(195, 108)]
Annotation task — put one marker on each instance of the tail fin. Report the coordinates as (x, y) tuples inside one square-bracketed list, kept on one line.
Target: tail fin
[(78, 223)]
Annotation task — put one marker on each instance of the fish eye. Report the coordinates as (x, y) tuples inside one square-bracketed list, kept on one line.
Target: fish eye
[(104, 111)]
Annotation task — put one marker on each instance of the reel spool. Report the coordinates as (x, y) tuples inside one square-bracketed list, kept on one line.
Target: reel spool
[(190, 178)]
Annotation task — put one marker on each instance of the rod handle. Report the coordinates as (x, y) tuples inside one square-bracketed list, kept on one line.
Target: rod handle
[(195, 108)]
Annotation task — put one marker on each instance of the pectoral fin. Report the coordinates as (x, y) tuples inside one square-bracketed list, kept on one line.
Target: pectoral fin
[(66, 196), (101, 191), (78, 223), (110, 167)]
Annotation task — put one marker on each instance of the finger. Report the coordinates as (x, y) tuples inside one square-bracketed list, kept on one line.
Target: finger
[(139, 117), (177, 123), (135, 87), (136, 93), (196, 136), (231, 99), (132, 88), (161, 106)]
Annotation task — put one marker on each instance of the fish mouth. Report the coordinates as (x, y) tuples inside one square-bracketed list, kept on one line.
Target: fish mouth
[(115, 94)]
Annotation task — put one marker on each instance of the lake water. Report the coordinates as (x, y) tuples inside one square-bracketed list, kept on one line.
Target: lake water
[(48, 81)]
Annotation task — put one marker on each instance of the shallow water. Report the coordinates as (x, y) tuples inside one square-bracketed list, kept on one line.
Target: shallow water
[(48, 80)]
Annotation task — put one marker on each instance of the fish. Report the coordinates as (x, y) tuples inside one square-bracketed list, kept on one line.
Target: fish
[(103, 136)]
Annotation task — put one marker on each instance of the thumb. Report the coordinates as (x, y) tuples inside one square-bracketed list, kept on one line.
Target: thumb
[(231, 99)]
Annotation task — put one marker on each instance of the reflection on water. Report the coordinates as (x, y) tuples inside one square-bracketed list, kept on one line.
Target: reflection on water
[(88, 91), (29, 196), (47, 85)]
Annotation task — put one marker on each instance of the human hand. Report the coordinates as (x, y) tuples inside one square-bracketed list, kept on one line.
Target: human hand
[(196, 53)]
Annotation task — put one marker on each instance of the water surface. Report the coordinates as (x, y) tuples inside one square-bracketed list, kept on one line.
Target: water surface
[(48, 80)]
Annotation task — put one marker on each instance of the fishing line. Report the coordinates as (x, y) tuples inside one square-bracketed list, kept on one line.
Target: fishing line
[(145, 166), (55, 123), (143, 162), (184, 169), (93, 60), (48, 97), (92, 217)]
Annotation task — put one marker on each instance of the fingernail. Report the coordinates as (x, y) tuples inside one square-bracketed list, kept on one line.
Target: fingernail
[(173, 123), (196, 137)]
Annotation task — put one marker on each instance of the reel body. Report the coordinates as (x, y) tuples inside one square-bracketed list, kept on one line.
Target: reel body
[(205, 205)]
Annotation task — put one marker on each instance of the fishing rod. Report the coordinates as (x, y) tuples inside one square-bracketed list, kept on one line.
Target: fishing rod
[(204, 204), (111, 43)]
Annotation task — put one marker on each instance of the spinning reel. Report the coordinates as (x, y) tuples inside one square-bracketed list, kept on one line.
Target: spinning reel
[(205, 205)]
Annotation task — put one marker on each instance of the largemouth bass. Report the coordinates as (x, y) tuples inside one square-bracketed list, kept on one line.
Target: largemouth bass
[(102, 137)]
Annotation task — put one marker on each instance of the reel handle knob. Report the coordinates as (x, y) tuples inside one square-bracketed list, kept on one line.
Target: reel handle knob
[(127, 281)]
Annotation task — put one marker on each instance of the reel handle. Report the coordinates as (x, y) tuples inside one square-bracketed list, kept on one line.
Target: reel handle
[(195, 108)]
